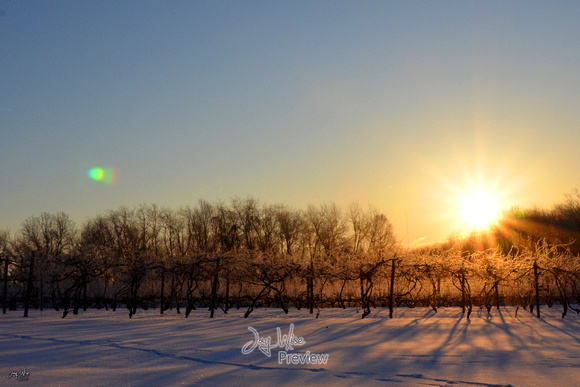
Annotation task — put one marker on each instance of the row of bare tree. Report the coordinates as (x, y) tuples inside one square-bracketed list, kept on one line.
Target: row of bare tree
[(247, 254), (215, 255)]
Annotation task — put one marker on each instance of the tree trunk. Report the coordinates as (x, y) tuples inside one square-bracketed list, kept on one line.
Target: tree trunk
[(173, 295), (340, 300)]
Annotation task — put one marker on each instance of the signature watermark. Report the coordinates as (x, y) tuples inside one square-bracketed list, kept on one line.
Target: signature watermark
[(287, 342), (21, 375)]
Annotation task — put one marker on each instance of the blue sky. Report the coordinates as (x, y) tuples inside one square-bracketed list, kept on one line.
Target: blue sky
[(408, 105)]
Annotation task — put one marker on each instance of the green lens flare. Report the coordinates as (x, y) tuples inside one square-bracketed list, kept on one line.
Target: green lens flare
[(105, 175), (97, 174)]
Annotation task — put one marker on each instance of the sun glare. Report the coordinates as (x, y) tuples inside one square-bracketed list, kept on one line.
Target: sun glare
[(480, 210)]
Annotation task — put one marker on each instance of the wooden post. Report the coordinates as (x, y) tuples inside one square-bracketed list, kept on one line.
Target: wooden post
[(497, 294), (362, 288), (162, 288), (227, 301), (537, 284), (462, 291), (311, 286), (214, 287), (392, 290), (85, 281), (29, 285), (5, 296)]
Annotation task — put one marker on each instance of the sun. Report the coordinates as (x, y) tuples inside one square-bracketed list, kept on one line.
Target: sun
[(480, 210)]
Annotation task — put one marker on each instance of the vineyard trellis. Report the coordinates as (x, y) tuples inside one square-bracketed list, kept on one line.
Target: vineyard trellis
[(247, 255)]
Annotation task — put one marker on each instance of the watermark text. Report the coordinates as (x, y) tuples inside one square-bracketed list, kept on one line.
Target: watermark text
[(287, 342), (21, 375)]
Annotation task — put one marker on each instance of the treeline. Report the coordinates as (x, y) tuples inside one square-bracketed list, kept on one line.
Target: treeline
[(245, 254), (524, 228), (212, 255)]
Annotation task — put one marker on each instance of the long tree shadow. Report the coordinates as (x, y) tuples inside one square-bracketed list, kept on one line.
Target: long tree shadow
[(438, 353), (505, 327), (575, 338), (156, 352), (454, 382)]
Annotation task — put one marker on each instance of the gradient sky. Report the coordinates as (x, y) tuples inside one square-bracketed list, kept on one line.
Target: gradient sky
[(407, 105)]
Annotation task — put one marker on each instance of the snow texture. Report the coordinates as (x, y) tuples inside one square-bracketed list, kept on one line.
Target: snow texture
[(416, 348)]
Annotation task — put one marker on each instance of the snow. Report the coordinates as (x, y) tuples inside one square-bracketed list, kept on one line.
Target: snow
[(416, 348)]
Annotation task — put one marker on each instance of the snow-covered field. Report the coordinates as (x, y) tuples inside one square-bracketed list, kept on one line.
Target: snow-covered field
[(416, 348)]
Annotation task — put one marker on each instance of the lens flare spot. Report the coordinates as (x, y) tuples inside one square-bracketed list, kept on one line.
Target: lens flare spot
[(97, 174), (104, 175)]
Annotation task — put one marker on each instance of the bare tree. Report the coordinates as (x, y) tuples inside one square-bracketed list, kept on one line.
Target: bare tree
[(326, 239), (291, 228), (5, 260), (43, 242), (225, 231), (372, 240)]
